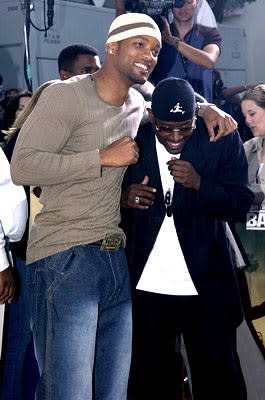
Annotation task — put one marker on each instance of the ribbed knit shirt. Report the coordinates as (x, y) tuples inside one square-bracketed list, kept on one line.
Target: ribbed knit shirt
[(58, 150)]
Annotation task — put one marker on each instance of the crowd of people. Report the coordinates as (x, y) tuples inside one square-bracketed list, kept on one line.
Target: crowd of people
[(129, 254)]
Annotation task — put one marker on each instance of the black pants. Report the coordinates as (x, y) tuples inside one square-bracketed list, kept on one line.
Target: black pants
[(210, 344)]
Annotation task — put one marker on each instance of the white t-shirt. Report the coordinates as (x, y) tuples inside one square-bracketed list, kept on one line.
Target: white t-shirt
[(166, 271)]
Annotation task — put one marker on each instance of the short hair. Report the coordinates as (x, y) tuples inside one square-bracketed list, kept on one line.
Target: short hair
[(69, 54)]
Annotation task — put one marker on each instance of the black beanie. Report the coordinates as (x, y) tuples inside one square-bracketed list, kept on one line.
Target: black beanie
[(173, 100)]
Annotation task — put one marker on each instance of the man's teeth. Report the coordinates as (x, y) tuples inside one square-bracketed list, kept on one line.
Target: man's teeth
[(171, 144), (142, 66)]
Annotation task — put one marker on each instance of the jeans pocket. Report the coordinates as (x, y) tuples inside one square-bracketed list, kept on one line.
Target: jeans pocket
[(43, 277), (61, 262)]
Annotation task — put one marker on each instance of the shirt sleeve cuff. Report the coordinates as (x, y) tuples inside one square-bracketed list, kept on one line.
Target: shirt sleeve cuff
[(4, 262)]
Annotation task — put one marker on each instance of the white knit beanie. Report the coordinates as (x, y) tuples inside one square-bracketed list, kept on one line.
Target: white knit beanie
[(133, 24)]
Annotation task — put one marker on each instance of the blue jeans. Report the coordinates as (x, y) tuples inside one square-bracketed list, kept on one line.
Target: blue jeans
[(81, 321), (16, 383)]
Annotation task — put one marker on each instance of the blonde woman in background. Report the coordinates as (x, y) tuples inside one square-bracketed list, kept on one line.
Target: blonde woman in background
[(12, 109), (22, 116)]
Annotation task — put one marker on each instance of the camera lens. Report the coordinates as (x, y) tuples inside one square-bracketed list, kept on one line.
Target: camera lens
[(179, 3)]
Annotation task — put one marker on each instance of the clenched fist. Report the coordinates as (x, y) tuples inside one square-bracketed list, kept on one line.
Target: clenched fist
[(183, 172), (120, 153)]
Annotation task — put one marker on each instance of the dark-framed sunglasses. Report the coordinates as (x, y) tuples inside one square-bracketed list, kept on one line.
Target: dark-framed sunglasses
[(183, 130)]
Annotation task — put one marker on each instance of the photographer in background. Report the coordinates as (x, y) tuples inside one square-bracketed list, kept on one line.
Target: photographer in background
[(189, 51)]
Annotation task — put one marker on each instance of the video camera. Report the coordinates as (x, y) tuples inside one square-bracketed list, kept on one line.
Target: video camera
[(152, 7)]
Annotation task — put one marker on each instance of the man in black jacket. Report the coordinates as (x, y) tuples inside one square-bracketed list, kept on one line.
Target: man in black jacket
[(175, 202)]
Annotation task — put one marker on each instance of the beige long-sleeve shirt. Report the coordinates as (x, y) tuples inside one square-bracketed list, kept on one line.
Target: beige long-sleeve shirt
[(57, 149)]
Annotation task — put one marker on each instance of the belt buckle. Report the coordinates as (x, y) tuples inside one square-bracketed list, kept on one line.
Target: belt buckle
[(111, 242)]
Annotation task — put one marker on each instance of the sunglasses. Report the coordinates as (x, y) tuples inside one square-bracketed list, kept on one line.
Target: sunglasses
[(184, 130)]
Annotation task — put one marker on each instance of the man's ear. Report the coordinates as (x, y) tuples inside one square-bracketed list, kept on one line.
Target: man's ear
[(64, 74), (111, 48)]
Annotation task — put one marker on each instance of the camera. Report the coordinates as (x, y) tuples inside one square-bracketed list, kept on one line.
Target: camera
[(218, 86), (152, 7)]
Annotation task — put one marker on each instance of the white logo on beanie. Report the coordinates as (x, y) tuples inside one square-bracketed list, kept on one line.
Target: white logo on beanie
[(177, 109)]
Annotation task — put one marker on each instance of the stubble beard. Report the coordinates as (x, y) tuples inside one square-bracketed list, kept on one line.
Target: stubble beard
[(137, 79)]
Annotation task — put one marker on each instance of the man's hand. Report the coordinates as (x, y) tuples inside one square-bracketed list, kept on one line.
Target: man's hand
[(138, 195), (120, 153), (7, 288), (219, 121), (166, 34), (184, 173)]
